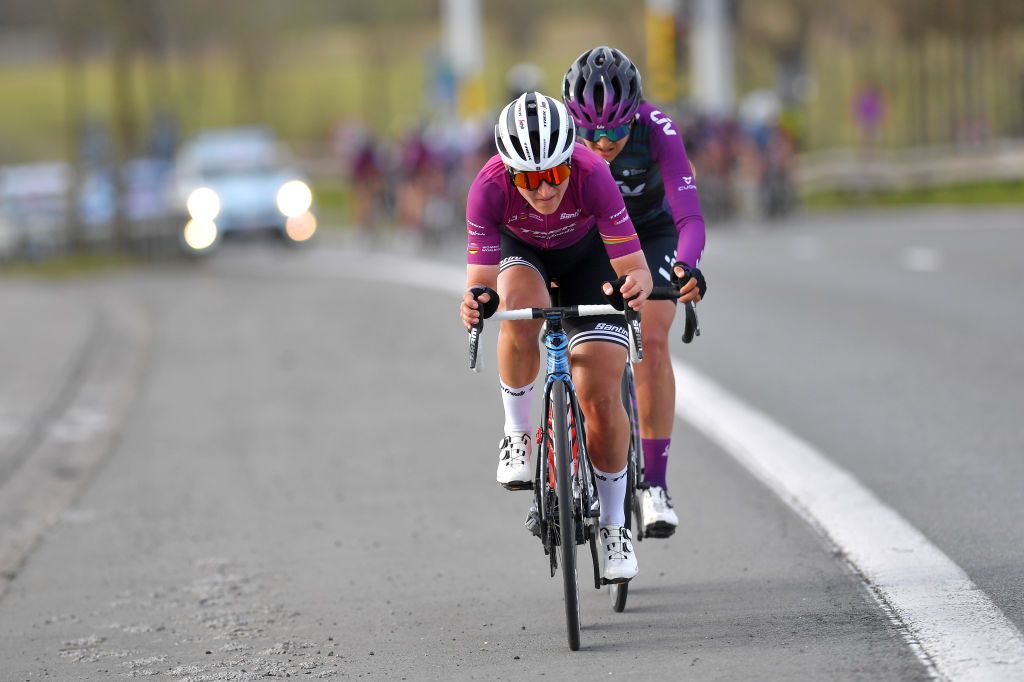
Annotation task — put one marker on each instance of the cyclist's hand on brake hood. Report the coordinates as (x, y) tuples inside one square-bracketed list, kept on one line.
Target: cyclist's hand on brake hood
[(474, 300), (634, 287), (691, 282)]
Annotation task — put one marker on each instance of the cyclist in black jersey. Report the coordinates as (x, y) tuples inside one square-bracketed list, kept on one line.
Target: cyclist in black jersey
[(645, 152)]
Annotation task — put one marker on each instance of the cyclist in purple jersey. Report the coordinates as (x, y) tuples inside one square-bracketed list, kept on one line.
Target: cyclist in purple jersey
[(590, 199), (602, 91), (546, 208)]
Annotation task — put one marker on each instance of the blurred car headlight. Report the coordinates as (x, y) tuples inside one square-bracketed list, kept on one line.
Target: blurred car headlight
[(294, 198), (200, 234), (301, 227), (203, 204)]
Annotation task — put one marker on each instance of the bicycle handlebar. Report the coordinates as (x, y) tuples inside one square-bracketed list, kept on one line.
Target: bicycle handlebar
[(691, 328), (636, 348)]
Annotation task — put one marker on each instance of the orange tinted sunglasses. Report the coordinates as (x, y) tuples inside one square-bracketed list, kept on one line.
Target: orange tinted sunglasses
[(530, 180)]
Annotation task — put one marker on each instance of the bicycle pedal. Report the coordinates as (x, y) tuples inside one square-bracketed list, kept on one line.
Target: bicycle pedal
[(617, 581), (660, 530), (518, 485)]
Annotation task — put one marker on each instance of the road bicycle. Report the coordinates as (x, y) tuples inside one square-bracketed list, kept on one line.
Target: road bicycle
[(635, 482), (565, 493)]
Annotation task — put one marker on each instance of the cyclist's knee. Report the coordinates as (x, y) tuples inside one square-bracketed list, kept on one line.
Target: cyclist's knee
[(655, 347), (521, 334), (601, 407)]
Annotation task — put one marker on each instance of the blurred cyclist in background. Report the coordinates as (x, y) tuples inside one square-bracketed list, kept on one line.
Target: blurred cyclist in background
[(547, 208), (645, 152)]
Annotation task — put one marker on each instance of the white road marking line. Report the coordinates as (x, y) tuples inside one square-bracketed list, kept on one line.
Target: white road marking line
[(953, 626), (921, 259)]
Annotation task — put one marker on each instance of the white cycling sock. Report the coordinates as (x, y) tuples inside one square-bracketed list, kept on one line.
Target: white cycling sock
[(517, 402), (611, 491)]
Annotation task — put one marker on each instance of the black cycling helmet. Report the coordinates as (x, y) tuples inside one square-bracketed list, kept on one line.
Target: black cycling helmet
[(602, 89)]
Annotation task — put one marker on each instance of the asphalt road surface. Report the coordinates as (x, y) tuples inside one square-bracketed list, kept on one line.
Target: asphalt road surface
[(302, 482)]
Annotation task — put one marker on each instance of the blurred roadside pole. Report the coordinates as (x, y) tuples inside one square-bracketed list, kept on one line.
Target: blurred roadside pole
[(661, 82), (72, 48), (123, 16), (463, 33), (714, 79)]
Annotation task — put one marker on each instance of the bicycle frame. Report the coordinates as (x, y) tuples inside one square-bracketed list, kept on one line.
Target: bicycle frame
[(556, 342)]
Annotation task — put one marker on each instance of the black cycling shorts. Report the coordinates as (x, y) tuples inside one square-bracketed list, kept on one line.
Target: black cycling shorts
[(659, 239), (580, 270)]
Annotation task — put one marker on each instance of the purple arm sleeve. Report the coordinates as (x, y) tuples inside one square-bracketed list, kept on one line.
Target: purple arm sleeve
[(680, 189), (484, 207)]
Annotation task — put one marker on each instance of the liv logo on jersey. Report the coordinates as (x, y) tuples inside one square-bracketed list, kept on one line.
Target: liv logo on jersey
[(628, 191), (664, 121)]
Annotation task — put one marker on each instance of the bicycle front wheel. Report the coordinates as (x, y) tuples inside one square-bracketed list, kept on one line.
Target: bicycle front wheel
[(566, 513)]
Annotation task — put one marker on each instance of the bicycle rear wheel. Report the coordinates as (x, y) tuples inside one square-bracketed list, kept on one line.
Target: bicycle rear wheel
[(566, 513)]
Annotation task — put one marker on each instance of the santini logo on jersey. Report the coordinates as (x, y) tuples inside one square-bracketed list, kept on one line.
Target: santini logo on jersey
[(605, 327), (570, 216)]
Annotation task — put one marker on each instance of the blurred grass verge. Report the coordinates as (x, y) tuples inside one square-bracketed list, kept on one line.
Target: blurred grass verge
[(332, 204), (69, 266), (980, 193)]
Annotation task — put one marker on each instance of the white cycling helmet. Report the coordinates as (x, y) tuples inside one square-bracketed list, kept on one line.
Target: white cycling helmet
[(534, 132)]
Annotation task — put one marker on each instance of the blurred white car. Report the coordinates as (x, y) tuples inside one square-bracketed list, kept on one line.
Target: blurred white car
[(235, 180), (33, 209)]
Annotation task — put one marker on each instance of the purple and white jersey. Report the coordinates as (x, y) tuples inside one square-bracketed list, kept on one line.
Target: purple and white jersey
[(592, 200), (655, 177)]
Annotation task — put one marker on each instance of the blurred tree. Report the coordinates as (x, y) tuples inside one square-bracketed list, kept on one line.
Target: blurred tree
[(72, 27), (125, 17)]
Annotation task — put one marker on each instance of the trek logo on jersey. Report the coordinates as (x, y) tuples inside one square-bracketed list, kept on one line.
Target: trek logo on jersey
[(570, 216), (688, 179)]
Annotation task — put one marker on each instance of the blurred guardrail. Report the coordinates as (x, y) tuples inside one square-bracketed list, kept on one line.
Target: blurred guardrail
[(871, 170), (36, 219)]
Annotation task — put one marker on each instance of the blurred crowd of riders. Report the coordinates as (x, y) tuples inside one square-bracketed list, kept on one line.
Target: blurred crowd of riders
[(415, 184)]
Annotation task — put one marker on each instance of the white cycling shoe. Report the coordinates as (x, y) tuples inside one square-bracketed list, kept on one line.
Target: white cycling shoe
[(618, 562), (514, 471), (660, 519)]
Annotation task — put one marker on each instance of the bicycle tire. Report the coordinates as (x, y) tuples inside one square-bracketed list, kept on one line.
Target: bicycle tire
[(566, 513), (636, 455), (619, 592)]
